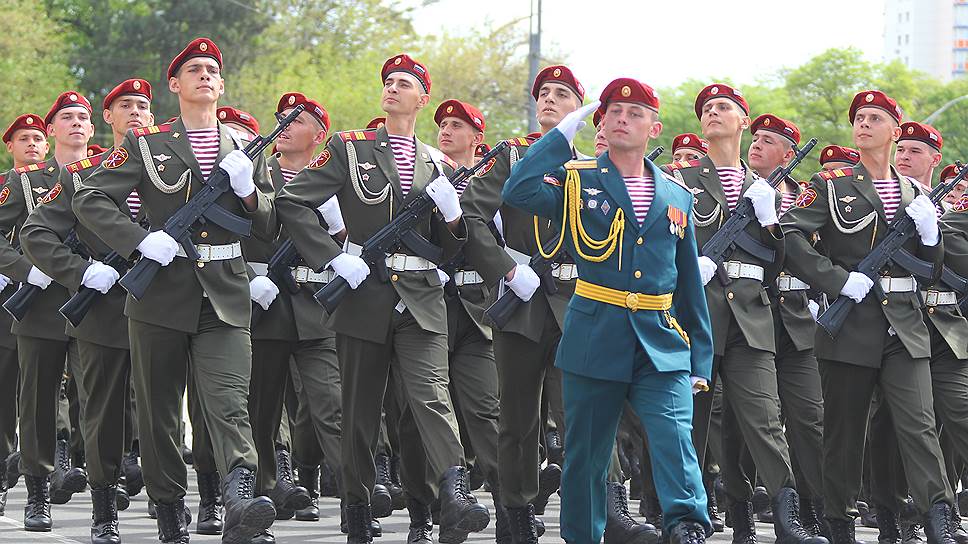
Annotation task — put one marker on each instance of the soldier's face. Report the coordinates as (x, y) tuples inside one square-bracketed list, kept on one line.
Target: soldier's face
[(687, 154), (628, 126), (403, 94), (555, 101), (915, 159), (129, 111), (768, 150), (457, 137), (199, 80), (874, 128), (836, 165), (71, 127), (304, 134), (955, 194), (28, 146), (601, 144), (722, 118)]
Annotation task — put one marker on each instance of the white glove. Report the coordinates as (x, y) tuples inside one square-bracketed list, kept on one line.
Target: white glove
[(4, 282), (857, 287), (574, 121), (159, 247), (524, 283), (38, 278), (925, 217), (707, 269), (351, 268), (444, 277), (762, 196), (445, 197), (332, 215), (698, 384), (814, 309), (100, 277), (239, 168), (263, 291)]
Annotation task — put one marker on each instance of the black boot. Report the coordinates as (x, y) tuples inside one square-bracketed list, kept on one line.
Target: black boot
[(172, 524), (841, 531), (556, 452), (209, 504), (868, 515), (104, 523), (888, 527), (265, 537), (911, 533), (134, 480), (957, 531), (741, 518), (620, 528), (13, 469), (687, 532), (187, 456), (286, 495), (245, 516), (121, 499), (786, 520), (548, 483), (761, 499), (384, 478), (460, 513), (937, 524), (328, 481), (521, 523), (810, 517), (376, 529), (651, 510), (358, 520), (65, 480), (502, 529), (3, 497), (421, 524), (308, 478), (37, 511), (712, 505), (152, 511)]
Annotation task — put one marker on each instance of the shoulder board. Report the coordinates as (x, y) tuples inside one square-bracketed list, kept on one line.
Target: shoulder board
[(582, 164), (358, 135), (86, 163), (523, 141), (677, 165), (144, 131), (30, 168), (836, 173)]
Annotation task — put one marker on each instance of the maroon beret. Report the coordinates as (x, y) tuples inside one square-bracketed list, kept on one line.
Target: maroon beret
[(837, 153), (780, 126), (405, 63), (462, 110), (25, 121), (228, 114), (68, 99), (137, 87), (922, 133), (199, 47), (875, 99), (558, 74), (293, 99), (720, 90), (690, 141)]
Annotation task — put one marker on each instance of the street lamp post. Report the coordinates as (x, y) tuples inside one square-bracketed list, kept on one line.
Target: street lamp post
[(534, 57), (930, 119)]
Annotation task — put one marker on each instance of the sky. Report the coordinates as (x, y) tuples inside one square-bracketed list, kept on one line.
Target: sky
[(665, 42)]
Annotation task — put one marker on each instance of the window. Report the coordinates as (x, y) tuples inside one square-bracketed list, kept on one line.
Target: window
[(899, 39), (907, 17), (907, 39)]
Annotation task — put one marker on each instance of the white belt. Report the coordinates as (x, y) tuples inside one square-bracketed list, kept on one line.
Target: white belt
[(791, 283), (939, 298), (398, 262), (565, 271), (898, 285), (467, 277), (301, 274), (214, 253), (736, 269)]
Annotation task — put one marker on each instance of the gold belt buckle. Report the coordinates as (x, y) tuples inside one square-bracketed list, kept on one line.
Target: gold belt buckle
[(632, 301)]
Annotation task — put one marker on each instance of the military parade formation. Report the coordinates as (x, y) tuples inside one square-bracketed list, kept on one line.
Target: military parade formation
[(400, 325)]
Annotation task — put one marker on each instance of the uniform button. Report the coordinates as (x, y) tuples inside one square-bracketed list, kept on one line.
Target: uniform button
[(204, 234), (729, 295), (201, 265), (640, 241), (394, 277), (782, 299), (638, 274), (930, 310)]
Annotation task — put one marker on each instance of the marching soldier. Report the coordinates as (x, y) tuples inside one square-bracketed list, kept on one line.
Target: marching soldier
[(194, 317), (835, 157), (104, 363), (245, 125), (885, 342), (954, 196), (42, 346), (918, 152), (689, 147), (400, 324), (743, 330)]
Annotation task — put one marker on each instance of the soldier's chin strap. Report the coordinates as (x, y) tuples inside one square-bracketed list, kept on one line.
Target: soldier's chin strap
[(571, 219)]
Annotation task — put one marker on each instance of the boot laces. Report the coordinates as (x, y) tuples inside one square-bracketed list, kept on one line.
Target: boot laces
[(284, 467), (622, 507), (63, 456), (912, 532), (246, 483), (383, 470)]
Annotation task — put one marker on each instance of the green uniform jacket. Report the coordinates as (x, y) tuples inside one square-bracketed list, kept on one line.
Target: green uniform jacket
[(289, 317), (7, 338), (793, 310), (155, 161), (948, 318), (842, 206), (42, 239), (24, 190), (359, 168), (745, 299), (481, 201)]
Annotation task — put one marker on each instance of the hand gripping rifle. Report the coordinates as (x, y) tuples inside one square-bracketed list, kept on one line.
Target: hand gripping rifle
[(21, 301), (279, 271), (200, 209)]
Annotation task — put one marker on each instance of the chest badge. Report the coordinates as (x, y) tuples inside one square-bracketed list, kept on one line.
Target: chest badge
[(847, 199), (677, 221), (592, 191), (161, 157), (39, 190), (366, 166), (605, 207), (592, 203)]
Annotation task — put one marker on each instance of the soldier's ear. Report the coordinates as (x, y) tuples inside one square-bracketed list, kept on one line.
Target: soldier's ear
[(656, 130), (423, 101), (10, 146), (173, 85), (106, 115)]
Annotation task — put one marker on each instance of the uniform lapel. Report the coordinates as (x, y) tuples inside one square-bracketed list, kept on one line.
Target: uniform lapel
[(658, 201), (226, 145), (386, 162), (907, 191), (709, 179), (182, 148), (864, 185), (423, 170), (615, 186)]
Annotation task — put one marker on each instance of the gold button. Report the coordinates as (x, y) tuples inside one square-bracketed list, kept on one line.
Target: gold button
[(782, 299), (884, 302), (204, 234), (729, 295), (638, 274), (394, 277), (640, 241), (930, 310), (632, 301), (201, 265)]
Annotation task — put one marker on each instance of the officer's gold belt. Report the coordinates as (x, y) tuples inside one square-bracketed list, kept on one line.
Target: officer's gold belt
[(625, 299)]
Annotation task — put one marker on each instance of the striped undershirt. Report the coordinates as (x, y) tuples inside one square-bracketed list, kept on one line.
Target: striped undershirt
[(287, 174), (205, 147), (641, 190), (405, 155), (134, 203), (889, 191), (732, 181), (787, 200)]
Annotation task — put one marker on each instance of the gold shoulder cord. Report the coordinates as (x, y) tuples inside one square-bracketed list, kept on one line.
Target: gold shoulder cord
[(572, 219)]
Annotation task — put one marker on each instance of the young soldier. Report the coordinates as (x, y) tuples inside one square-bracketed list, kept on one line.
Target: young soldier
[(689, 147), (918, 152), (955, 195), (194, 317), (835, 157)]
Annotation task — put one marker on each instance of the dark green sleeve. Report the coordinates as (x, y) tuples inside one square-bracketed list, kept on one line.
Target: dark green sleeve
[(43, 234)]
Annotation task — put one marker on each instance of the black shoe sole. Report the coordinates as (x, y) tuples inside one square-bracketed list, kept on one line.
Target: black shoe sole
[(206, 530), (122, 502), (549, 481), (297, 501), (255, 519), (44, 529), (381, 505), (472, 522), (73, 483), (645, 537), (303, 515)]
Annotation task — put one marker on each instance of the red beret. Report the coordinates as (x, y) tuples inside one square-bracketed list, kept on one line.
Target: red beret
[(462, 110), (558, 74), (228, 114), (67, 99), (772, 123), (922, 133), (405, 63), (95, 149), (293, 99), (626, 89), (874, 99), (720, 90), (199, 47), (137, 87), (949, 172), (597, 117), (376, 122), (837, 153), (27, 120), (690, 141)]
